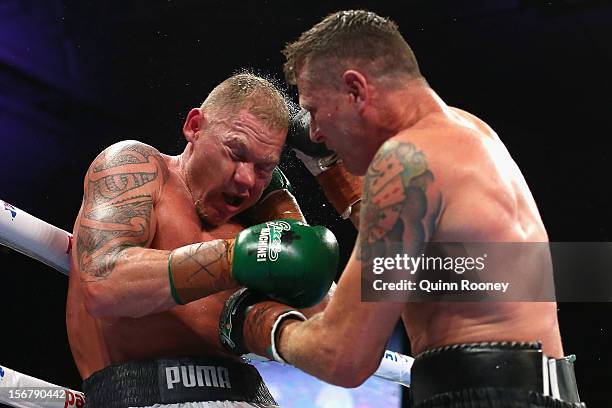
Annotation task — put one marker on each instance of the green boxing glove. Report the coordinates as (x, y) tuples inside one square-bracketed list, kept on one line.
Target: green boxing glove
[(286, 260)]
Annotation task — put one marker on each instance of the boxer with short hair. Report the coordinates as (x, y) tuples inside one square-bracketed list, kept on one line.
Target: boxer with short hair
[(160, 244), (433, 173)]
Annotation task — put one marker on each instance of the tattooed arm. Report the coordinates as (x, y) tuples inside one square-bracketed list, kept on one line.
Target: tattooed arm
[(344, 344), (119, 274)]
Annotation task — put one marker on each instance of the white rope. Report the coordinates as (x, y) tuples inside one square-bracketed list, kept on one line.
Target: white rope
[(23, 391), (51, 245), (34, 237)]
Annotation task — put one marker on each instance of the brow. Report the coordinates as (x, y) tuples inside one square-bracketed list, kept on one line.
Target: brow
[(271, 159), (243, 149), (238, 143)]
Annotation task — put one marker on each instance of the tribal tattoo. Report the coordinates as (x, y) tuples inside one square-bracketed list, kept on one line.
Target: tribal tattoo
[(117, 205), (395, 202)]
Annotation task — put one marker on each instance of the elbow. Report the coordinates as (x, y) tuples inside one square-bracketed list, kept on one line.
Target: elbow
[(350, 370), (104, 299), (98, 299)]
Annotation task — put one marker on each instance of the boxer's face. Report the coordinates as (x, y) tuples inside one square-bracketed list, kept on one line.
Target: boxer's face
[(335, 121), (231, 164)]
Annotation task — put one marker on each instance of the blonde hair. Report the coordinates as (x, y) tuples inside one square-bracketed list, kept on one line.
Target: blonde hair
[(253, 93)]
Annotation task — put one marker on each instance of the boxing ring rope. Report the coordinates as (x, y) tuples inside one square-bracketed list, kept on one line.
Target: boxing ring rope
[(23, 391), (52, 246), (35, 238)]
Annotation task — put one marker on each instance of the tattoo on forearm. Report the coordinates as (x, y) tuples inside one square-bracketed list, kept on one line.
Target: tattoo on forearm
[(117, 206), (202, 269), (395, 201), (210, 258)]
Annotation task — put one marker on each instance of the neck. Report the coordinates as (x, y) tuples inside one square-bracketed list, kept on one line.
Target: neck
[(179, 163), (405, 107)]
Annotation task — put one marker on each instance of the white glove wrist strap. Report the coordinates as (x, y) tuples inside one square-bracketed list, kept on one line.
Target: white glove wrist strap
[(294, 314)]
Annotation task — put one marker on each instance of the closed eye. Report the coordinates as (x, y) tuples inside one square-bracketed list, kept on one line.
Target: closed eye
[(235, 156), (266, 167)]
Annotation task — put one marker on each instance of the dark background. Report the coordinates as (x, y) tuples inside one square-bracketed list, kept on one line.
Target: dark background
[(76, 76)]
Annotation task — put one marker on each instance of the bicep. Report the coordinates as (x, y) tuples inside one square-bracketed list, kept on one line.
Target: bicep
[(398, 216), (401, 203), (398, 212), (399, 209), (121, 188)]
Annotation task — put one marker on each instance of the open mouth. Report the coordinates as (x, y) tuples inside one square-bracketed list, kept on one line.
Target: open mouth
[(233, 201)]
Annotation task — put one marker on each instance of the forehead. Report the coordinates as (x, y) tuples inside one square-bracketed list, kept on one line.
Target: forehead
[(246, 129), (311, 91), (304, 83), (307, 95)]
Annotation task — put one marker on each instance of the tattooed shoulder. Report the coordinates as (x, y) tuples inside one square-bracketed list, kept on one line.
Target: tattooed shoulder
[(128, 152), (395, 200), (122, 167), (120, 189)]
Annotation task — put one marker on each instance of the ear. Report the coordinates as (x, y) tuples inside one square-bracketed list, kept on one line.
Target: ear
[(194, 122), (357, 87)]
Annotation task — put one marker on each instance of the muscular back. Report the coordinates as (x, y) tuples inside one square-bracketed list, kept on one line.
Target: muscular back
[(480, 195), (134, 201)]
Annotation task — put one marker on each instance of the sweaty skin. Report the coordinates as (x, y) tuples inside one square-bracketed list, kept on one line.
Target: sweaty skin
[(483, 198), (163, 218), (453, 181), (136, 208)]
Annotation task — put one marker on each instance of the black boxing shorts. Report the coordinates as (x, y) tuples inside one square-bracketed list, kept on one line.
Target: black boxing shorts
[(497, 374), (178, 382)]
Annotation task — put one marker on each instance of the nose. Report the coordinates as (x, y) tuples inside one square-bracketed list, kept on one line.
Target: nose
[(244, 176), (315, 132)]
